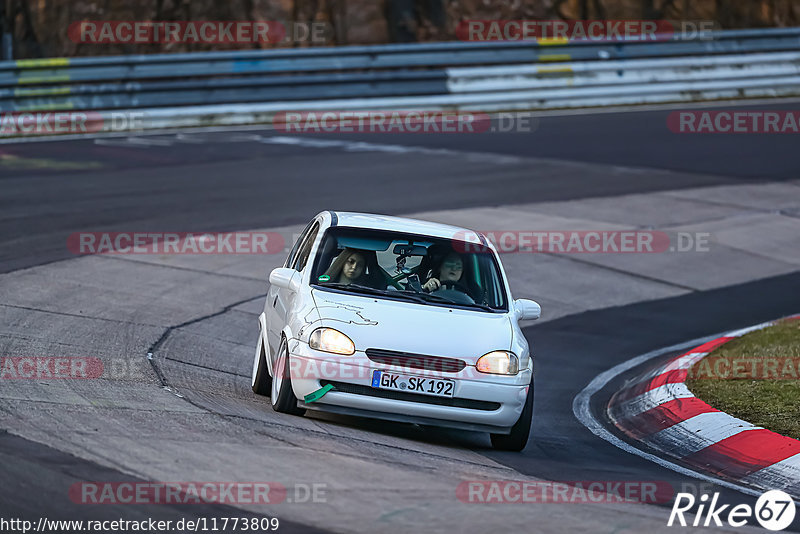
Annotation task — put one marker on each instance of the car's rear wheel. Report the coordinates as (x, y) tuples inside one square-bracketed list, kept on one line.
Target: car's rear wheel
[(282, 397), (520, 432), (260, 380)]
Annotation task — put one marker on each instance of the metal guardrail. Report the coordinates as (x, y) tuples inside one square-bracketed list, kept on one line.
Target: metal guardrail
[(487, 76)]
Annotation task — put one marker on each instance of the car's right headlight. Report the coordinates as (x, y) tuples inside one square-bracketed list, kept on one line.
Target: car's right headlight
[(331, 340)]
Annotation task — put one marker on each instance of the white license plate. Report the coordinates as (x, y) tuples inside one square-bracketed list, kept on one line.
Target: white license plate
[(413, 384)]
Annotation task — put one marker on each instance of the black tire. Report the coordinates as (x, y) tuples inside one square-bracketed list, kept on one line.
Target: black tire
[(262, 384), (520, 432), (283, 400)]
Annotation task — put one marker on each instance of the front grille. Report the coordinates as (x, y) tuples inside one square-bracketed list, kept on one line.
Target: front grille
[(416, 361), (357, 389)]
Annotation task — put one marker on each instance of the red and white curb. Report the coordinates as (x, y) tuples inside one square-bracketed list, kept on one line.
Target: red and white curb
[(658, 410)]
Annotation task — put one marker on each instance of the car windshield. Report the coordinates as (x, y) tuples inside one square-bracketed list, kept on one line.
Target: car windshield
[(421, 269)]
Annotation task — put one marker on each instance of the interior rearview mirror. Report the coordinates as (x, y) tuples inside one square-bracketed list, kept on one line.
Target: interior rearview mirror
[(409, 250)]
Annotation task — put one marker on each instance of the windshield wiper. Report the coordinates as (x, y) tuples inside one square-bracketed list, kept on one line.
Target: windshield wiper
[(482, 307), (427, 296), (414, 296), (430, 297)]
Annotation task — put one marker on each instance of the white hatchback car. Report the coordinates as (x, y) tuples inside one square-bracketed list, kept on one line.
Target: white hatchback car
[(397, 319)]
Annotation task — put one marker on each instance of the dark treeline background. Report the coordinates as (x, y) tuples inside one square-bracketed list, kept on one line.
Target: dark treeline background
[(38, 28)]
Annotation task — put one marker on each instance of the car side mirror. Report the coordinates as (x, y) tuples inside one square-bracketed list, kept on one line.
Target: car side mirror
[(285, 278), (527, 310)]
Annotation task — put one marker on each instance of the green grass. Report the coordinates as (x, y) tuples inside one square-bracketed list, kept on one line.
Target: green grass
[(773, 404)]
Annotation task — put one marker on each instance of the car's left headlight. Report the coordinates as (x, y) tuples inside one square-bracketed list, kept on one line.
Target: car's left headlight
[(498, 362), (330, 340)]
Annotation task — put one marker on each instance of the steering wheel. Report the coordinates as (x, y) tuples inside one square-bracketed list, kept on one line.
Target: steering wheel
[(396, 279), (453, 285), (455, 292)]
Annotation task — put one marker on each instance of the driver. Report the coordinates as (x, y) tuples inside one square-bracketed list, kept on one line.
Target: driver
[(450, 270)]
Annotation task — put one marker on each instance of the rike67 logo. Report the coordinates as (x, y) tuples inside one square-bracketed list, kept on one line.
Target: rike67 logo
[(774, 510)]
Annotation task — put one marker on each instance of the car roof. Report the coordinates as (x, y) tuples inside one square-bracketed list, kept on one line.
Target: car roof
[(402, 224)]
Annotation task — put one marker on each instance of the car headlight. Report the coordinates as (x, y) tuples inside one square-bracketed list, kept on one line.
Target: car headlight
[(498, 362), (330, 340)]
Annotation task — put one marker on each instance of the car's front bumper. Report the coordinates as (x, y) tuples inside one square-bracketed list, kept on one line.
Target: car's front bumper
[(480, 402)]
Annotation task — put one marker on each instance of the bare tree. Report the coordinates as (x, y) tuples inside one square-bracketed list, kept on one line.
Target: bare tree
[(337, 16), (304, 11), (724, 13), (649, 10), (401, 20), (21, 27), (6, 35), (590, 9), (599, 10)]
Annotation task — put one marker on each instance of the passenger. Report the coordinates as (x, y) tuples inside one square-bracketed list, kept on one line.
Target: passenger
[(448, 272), (354, 266)]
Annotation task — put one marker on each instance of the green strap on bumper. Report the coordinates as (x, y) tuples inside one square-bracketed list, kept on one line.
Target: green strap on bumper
[(317, 395)]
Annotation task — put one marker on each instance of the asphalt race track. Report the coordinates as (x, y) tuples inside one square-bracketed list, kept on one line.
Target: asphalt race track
[(220, 181), (224, 181)]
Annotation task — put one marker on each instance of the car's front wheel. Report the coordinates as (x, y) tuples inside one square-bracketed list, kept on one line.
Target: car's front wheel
[(260, 380), (282, 396), (518, 438)]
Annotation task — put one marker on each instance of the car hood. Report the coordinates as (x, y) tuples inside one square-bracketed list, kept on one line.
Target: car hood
[(410, 327)]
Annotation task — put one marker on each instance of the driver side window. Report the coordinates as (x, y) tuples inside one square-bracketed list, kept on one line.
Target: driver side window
[(305, 249), (292, 258)]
